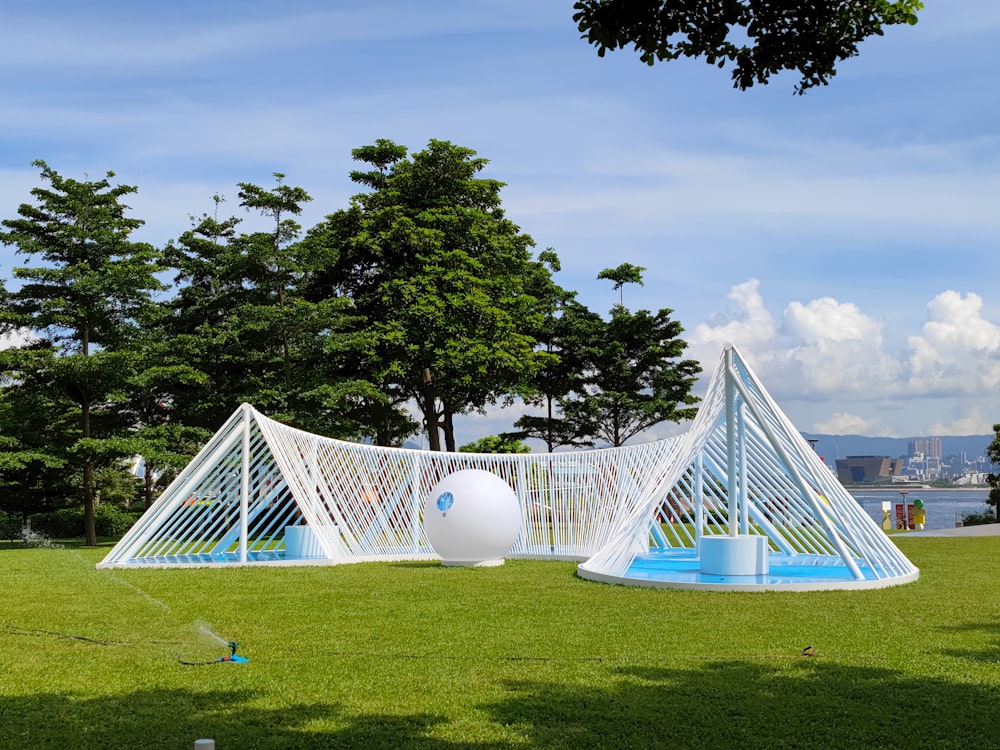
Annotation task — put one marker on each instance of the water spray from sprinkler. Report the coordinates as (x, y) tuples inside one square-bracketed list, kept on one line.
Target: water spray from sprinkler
[(231, 645)]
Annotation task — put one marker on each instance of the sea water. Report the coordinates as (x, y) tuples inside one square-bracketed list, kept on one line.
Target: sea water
[(945, 508)]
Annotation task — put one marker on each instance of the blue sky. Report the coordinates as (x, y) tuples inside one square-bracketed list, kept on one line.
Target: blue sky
[(847, 241)]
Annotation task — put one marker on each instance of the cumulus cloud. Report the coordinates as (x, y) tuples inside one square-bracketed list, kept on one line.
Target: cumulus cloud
[(825, 353), (823, 348), (973, 423), (749, 326), (836, 349), (958, 350), (842, 423)]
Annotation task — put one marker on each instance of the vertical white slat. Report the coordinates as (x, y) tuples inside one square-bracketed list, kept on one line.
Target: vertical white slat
[(245, 483)]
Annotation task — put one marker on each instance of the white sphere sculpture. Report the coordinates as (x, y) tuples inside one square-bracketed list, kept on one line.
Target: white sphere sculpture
[(472, 517)]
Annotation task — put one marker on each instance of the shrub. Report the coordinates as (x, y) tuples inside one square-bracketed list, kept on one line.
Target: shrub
[(979, 519), (10, 525), (62, 523), (109, 521)]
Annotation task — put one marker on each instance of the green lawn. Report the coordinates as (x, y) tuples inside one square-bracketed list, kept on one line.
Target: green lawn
[(522, 656)]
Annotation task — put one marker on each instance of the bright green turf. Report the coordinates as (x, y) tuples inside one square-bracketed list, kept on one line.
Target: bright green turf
[(522, 656)]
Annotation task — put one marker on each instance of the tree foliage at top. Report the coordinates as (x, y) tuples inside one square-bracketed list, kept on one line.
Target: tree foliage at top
[(635, 378), (241, 328), (442, 278), (626, 273), (758, 37)]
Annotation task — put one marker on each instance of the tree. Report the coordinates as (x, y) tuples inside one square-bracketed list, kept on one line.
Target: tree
[(761, 37), (441, 276), (624, 274), (633, 377), (83, 299), (568, 339), (495, 444), (33, 476), (993, 454), (242, 320)]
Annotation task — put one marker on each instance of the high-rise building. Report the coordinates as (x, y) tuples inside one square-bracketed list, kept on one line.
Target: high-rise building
[(929, 447)]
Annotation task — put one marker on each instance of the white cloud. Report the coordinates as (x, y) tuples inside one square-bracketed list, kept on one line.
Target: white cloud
[(18, 338), (958, 350), (973, 423), (748, 326), (827, 354), (843, 423), (828, 321), (823, 348)]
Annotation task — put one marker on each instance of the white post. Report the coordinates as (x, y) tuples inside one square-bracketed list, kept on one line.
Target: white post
[(699, 502), (415, 504), (731, 442), (244, 483), (742, 446), (204, 745)]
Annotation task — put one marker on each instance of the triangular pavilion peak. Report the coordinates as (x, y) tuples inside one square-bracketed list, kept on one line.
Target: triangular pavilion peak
[(230, 505), (748, 504)]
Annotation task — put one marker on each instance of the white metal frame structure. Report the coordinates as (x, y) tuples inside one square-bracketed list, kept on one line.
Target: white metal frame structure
[(234, 502), (744, 470), (741, 470)]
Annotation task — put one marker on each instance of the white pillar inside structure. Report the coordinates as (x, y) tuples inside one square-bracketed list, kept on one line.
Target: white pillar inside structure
[(245, 483), (732, 489), (741, 442), (699, 500)]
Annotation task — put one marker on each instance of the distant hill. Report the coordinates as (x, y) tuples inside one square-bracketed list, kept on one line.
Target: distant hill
[(832, 447)]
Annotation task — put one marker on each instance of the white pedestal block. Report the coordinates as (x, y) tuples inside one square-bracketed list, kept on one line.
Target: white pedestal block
[(301, 543), (733, 555)]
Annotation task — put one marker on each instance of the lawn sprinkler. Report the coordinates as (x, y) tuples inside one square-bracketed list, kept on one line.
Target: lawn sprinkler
[(232, 656)]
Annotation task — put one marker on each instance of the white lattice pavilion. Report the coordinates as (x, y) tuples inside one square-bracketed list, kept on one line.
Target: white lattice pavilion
[(741, 501)]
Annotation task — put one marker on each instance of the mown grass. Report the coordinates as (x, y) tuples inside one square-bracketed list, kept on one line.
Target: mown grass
[(522, 656)]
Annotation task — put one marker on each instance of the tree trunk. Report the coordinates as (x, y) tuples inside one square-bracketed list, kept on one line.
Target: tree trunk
[(449, 429), (428, 405), (89, 505), (549, 437)]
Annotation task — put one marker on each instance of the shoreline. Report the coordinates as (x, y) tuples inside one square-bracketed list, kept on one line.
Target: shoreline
[(900, 490)]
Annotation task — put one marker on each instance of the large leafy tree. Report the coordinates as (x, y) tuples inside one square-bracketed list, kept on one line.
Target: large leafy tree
[(241, 324), (758, 37), (634, 377), (442, 278), (83, 298)]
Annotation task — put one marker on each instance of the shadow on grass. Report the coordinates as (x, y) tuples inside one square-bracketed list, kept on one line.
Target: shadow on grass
[(812, 704), (176, 718), (988, 654)]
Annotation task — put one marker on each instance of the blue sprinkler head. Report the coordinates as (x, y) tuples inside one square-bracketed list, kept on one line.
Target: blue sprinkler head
[(233, 645)]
